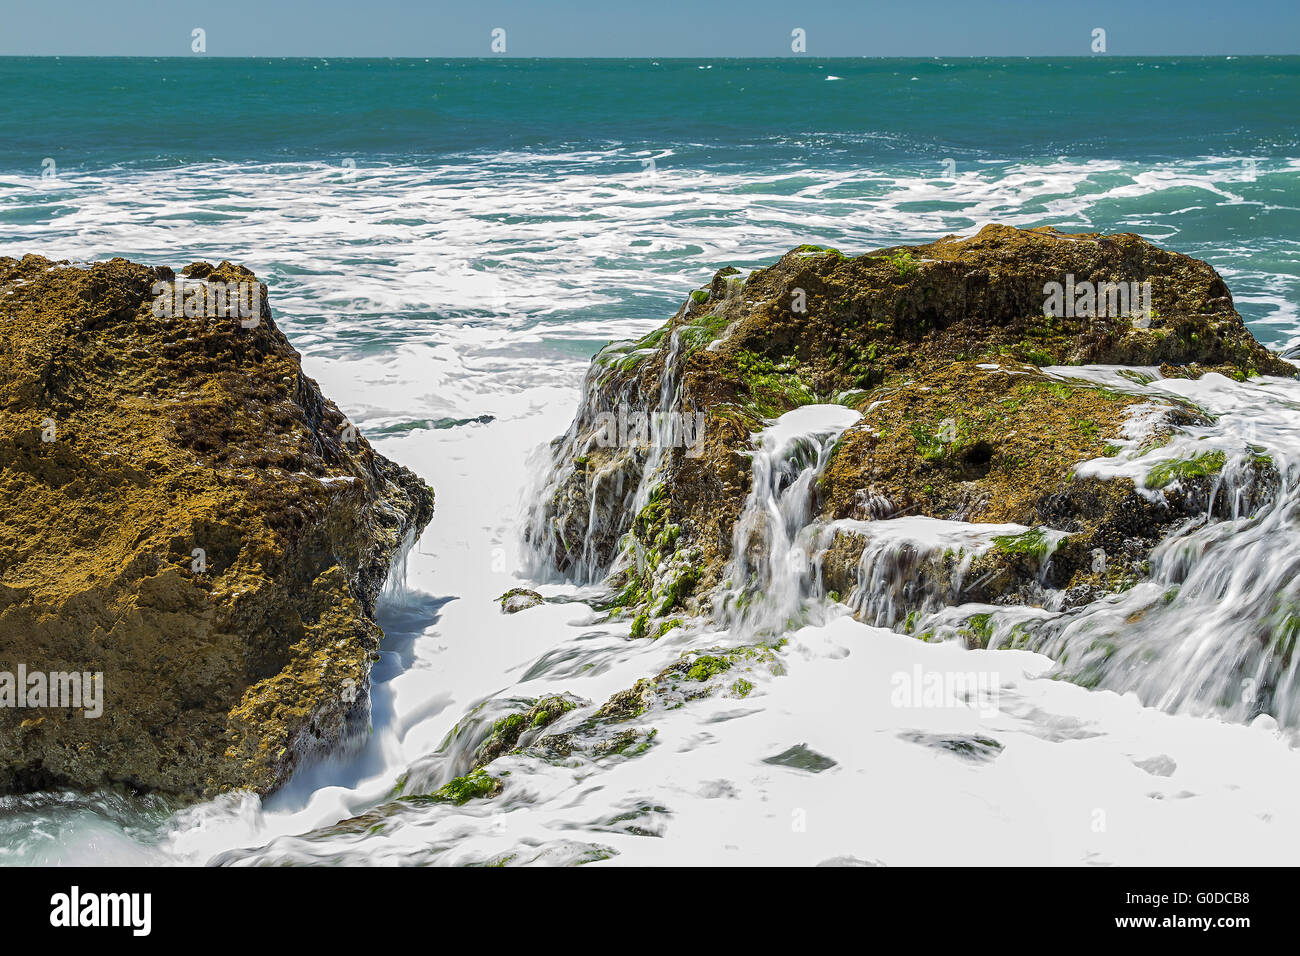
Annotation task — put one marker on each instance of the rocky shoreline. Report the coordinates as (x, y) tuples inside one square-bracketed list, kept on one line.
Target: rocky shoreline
[(184, 513)]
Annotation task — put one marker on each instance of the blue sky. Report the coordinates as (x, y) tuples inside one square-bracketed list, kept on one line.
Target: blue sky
[(692, 28)]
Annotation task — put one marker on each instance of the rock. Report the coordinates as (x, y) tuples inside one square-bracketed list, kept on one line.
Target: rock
[(519, 599), (626, 704), (507, 731), (976, 749), (801, 757), (940, 346), (476, 785), (690, 677), (182, 510)]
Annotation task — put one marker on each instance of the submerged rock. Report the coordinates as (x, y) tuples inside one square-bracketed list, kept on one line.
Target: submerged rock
[(182, 510), (941, 348), (507, 731), (519, 599), (802, 757)]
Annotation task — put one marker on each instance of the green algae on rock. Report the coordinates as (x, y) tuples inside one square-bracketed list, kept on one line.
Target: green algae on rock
[(183, 510), (519, 599), (477, 784), (507, 731), (941, 347)]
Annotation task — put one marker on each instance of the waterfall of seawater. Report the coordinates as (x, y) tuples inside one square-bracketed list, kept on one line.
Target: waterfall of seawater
[(1211, 629), (665, 427), (616, 490), (894, 576), (395, 589), (770, 565)]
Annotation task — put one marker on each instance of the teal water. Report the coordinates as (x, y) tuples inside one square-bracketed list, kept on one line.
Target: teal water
[(96, 112)]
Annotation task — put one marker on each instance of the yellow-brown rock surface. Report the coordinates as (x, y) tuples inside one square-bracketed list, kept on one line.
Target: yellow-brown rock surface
[(183, 511)]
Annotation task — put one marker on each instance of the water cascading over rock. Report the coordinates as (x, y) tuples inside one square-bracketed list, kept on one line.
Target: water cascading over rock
[(974, 471)]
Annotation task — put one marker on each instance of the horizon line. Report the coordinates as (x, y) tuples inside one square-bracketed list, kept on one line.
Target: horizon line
[(692, 57)]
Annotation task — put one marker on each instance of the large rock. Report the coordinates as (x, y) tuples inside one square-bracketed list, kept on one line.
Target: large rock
[(940, 346), (183, 511)]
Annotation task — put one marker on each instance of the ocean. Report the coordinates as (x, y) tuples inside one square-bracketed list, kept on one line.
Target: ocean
[(448, 242)]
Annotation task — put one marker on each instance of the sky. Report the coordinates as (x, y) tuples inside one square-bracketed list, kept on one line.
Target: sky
[(646, 28)]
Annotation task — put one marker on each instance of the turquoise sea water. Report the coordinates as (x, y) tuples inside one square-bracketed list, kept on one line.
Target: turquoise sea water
[(93, 113), (447, 242)]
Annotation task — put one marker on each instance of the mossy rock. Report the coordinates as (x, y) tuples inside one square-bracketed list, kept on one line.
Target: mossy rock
[(507, 731), (941, 347), (519, 599), (475, 785), (1182, 469)]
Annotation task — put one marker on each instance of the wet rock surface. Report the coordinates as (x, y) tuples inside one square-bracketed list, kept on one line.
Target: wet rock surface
[(182, 510), (519, 599)]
